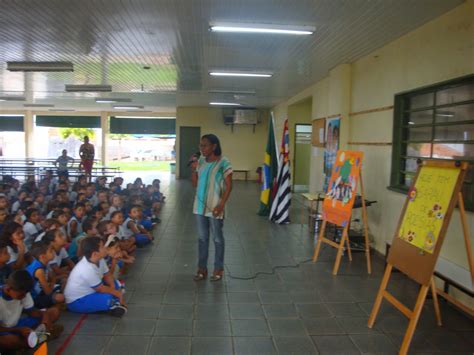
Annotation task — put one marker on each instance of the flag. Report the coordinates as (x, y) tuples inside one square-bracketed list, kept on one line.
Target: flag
[(280, 211), (270, 170)]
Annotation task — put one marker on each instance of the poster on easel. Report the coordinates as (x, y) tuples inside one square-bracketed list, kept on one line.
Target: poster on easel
[(338, 203), (333, 127), (422, 227), (342, 188)]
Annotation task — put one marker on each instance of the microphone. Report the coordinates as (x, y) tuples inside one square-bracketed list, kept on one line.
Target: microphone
[(194, 158)]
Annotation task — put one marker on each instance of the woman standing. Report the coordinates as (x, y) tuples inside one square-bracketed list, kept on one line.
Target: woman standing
[(212, 177)]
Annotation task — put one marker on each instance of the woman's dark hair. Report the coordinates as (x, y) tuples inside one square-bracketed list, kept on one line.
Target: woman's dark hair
[(7, 232), (212, 138)]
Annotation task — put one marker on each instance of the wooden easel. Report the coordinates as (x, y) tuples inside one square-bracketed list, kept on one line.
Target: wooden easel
[(345, 236), (419, 266)]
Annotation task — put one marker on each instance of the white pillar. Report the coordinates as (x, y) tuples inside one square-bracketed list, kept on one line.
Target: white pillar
[(29, 127), (104, 124)]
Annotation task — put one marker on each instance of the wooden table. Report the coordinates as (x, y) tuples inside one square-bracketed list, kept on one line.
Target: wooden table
[(246, 172), (313, 202)]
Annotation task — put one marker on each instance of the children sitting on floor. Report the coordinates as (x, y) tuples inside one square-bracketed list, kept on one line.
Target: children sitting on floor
[(131, 230), (5, 269), (91, 287), (45, 292), (89, 228), (14, 237), (15, 298)]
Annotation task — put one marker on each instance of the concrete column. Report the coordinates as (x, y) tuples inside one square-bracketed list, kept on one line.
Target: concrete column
[(29, 125), (104, 124)]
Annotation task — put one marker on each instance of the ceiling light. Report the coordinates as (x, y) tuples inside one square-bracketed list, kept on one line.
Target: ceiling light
[(241, 73), (12, 98), (151, 117), (224, 104), (40, 66), (61, 110), (121, 107), (38, 105), (88, 88), (111, 101), (263, 28)]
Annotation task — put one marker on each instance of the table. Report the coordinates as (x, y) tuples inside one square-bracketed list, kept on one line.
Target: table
[(313, 199), (246, 172)]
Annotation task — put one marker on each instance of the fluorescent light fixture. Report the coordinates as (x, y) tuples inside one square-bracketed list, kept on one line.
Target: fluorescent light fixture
[(224, 104), (88, 88), (410, 122), (12, 98), (241, 73), (263, 28), (233, 92), (61, 109), (111, 101), (38, 105), (445, 114), (151, 117), (40, 66), (123, 107)]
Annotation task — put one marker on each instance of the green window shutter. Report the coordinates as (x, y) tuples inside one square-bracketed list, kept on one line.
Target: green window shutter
[(11, 124), (68, 121), (142, 125)]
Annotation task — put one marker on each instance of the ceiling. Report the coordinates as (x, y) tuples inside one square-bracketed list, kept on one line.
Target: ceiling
[(110, 41)]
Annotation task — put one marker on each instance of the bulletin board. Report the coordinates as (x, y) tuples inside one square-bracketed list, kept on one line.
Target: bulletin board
[(425, 218), (319, 132)]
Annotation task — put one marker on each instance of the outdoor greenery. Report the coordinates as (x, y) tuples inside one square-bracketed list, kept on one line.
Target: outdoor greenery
[(79, 133), (141, 165)]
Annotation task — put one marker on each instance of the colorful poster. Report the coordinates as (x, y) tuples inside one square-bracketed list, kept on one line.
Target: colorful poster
[(337, 205), (428, 202), (332, 145)]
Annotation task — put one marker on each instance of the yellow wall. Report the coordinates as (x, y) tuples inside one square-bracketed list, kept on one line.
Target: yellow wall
[(244, 147), (442, 49)]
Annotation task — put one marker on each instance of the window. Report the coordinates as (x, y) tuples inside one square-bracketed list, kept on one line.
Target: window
[(435, 122)]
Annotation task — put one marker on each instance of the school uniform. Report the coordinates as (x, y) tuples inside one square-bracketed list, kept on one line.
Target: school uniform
[(59, 258), (31, 231), (78, 229), (80, 293), (40, 298), (11, 310), (14, 254), (140, 239)]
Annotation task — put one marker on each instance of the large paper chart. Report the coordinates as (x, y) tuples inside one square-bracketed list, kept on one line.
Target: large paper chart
[(337, 205), (428, 202)]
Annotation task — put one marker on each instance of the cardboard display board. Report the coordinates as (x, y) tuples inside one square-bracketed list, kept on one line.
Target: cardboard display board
[(318, 133), (420, 234), (338, 203)]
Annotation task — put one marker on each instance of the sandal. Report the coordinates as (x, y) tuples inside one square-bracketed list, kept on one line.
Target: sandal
[(217, 275), (201, 274)]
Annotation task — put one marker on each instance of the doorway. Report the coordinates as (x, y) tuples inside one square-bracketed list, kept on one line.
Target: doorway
[(302, 157), (189, 138)]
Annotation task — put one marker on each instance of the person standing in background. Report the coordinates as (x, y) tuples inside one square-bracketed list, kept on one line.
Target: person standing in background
[(212, 177), (62, 163), (87, 153)]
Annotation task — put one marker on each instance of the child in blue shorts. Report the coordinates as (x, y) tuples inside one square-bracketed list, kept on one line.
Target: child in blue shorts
[(131, 228), (90, 287), (15, 298)]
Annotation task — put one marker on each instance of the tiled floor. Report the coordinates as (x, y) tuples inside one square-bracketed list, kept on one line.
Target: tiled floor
[(301, 310)]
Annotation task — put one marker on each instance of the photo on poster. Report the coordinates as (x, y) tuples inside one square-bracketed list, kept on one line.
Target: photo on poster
[(333, 126)]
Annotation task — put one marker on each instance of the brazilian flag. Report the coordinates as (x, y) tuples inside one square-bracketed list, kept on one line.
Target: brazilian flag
[(269, 173)]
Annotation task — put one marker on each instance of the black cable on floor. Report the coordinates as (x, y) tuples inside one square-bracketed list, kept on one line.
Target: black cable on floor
[(254, 276)]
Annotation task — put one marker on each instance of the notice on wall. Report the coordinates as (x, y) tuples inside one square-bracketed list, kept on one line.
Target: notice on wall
[(428, 202)]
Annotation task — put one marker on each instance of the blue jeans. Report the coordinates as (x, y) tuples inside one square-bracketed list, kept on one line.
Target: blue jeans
[(206, 225)]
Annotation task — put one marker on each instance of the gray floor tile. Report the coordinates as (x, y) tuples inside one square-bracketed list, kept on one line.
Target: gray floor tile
[(243, 297), (323, 326), (211, 328), (143, 311), (249, 327), (254, 345), (316, 310), (127, 326), (211, 345), (212, 298), (295, 345), (374, 343), (246, 311), (179, 298), (345, 309), (212, 311), (128, 345), (274, 297), (287, 327), (170, 345), (98, 324), (174, 327), (280, 311), (87, 344), (305, 297), (176, 311), (335, 344)]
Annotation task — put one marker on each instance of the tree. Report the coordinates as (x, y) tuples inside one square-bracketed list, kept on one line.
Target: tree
[(79, 133)]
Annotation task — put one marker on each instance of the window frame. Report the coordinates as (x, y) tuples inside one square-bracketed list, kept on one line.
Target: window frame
[(400, 132)]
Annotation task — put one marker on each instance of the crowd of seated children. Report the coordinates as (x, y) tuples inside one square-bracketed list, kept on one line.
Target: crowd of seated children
[(64, 246)]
